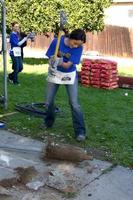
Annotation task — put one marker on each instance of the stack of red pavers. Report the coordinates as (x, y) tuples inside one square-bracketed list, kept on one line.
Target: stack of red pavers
[(99, 73), (85, 73), (95, 75), (109, 74)]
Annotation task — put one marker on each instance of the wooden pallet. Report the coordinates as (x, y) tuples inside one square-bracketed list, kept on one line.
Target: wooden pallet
[(125, 82)]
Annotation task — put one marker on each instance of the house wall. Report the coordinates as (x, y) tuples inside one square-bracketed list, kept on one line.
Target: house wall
[(120, 15)]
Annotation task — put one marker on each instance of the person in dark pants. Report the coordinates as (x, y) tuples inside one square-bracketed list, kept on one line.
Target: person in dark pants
[(16, 52), (22, 35), (62, 71)]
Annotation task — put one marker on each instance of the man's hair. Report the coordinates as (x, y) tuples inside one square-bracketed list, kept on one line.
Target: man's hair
[(14, 23), (78, 34)]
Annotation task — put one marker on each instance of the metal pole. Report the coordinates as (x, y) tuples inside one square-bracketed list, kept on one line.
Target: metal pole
[(4, 51)]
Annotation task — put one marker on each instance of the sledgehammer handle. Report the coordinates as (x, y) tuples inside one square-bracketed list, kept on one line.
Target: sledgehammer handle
[(7, 114), (63, 21), (57, 45)]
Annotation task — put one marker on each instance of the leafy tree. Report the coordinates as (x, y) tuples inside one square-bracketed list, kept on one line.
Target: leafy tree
[(43, 15)]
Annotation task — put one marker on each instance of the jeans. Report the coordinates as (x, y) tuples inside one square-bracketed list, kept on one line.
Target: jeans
[(17, 66), (77, 115)]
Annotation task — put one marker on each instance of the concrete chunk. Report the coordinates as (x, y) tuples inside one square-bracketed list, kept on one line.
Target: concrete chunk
[(35, 185), (11, 140), (13, 161), (8, 177), (4, 191), (65, 174)]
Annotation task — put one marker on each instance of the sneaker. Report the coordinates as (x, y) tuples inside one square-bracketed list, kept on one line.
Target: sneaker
[(50, 117), (80, 138), (49, 121), (9, 80), (18, 84)]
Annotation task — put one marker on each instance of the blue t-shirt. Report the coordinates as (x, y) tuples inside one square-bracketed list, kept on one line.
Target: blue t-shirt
[(75, 54), (14, 39)]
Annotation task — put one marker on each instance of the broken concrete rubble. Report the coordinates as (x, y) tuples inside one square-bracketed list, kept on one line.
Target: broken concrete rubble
[(76, 177), (4, 191), (35, 185), (8, 177)]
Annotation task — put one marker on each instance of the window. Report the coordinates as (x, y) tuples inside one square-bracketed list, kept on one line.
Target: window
[(130, 13)]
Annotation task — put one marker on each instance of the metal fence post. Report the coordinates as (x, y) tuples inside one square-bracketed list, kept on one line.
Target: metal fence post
[(4, 51)]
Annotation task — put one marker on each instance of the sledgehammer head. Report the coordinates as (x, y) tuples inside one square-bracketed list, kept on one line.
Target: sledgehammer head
[(65, 152), (63, 19)]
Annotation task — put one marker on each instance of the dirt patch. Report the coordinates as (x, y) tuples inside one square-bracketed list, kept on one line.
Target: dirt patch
[(23, 176), (9, 182), (26, 175), (5, 198)]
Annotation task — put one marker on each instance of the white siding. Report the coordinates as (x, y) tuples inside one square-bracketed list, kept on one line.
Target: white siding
[(122, 1), (119, 15)]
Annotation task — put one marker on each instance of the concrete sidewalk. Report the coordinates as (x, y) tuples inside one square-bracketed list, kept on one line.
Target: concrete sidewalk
[(24, 175)]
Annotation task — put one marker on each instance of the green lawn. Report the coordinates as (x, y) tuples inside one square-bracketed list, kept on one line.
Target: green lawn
[(108, 114), (125, 71)]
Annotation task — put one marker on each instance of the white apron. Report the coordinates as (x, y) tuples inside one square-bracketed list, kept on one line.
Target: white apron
[(16, 51), (58, 77)]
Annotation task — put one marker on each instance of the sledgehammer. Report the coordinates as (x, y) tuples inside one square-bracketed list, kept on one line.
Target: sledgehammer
[(63, 21)]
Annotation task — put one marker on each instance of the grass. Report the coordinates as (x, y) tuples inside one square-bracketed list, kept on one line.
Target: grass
[(108, 114), (125, 71)]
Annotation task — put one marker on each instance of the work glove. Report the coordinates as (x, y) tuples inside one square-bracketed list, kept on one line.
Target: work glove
[(31, 36), (53, 63)]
